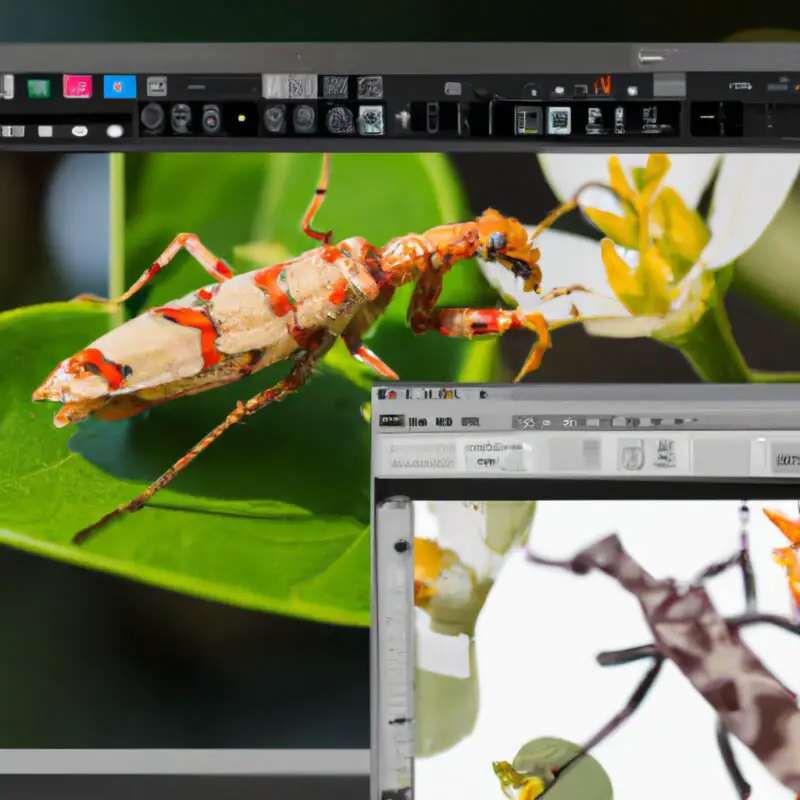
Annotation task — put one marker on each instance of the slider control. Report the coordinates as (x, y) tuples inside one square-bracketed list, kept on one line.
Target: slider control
[(648, 56)]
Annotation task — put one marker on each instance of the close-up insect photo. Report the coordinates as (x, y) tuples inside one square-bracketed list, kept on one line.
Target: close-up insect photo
[(188, 346), (616, 640)]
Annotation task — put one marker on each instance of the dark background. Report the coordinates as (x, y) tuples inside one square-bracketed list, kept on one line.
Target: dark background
[(392, 20)]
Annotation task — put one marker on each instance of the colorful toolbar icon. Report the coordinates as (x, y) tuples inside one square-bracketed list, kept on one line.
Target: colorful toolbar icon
[(38, 88), (78, 86), (119, 87)]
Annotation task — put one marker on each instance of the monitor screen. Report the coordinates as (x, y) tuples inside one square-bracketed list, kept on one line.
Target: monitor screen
[(624, 596), (210, 259)]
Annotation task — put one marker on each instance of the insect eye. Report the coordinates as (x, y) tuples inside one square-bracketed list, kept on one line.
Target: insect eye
[(497, 241)]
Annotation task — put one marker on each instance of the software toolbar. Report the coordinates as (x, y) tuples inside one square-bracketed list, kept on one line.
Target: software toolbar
[(315, 110)]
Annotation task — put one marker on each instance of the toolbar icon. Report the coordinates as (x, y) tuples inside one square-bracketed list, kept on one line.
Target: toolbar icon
[(559, 121), (335, 87), (527, 120), (631, 454), (156, 86), (297, 86), (78, 87), (370, 120), (370, 88), (38, 89), (119, 87), (602, 85), (7, 87)]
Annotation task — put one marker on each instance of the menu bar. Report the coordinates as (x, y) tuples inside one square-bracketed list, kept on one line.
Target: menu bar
[(573, 454)]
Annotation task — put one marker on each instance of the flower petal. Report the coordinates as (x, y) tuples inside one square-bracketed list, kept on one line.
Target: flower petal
[(749, 192), (567, 260), (627, 328), (689, 175)]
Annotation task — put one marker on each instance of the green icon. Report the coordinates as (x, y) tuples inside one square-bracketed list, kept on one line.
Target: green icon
[(38, 89)]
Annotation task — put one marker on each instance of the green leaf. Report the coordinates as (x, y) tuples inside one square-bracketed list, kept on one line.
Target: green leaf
[(275, 515), (256, 523)]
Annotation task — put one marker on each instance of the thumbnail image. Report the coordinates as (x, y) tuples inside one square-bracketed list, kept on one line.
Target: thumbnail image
[(607, 649), (200, 445)]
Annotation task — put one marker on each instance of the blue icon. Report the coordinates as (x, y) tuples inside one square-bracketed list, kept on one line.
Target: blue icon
[(119, 87)]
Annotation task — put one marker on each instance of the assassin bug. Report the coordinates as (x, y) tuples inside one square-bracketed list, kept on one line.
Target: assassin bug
[(788, 557), (751, 703), (293, 310)]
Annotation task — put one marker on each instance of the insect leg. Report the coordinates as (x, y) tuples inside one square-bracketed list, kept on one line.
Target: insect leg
[(362, 322), (637, 698), (215, 267), (613, 658), (740, 560), (316, 203), (298, 376), (746, 620), (472, 323), (743, 788), (368, 358), (574, 565)]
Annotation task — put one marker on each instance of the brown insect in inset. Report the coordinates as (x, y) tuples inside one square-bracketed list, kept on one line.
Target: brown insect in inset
[(752, 704)]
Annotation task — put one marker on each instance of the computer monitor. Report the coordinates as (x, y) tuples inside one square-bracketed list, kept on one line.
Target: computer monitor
[(185, 515)]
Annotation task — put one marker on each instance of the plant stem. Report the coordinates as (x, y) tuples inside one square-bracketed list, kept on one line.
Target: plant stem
[(116, 229), (711, 349), (766, 376)]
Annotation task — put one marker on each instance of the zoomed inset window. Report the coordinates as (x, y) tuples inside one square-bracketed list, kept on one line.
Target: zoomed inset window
[(587, 594)]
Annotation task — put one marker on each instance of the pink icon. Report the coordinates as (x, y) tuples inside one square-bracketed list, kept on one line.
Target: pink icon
[(77, 86)]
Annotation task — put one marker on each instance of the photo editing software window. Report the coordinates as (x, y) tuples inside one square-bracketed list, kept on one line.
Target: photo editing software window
[(586, 592), (209, 256)]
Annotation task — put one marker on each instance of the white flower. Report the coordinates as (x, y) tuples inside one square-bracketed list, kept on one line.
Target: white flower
[(459, 551), (654, 273)]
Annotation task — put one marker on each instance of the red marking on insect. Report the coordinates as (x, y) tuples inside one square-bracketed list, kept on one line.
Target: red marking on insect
[(269, 280), (154, 270), (192, 318), (223, 270), (338, 293), (94, 361), (208, 293), (332, 254)]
